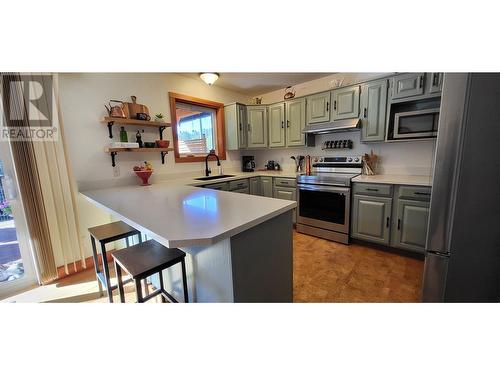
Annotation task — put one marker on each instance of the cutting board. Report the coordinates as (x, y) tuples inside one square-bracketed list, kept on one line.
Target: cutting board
[(134, 108)]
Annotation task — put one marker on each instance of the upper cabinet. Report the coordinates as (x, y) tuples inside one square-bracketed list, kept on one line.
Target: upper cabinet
[(277, 125), (257, 126), (318, 108), (236, 126), (436, 82), (345, 103), (295, 122), (373, 110), (406, 85)]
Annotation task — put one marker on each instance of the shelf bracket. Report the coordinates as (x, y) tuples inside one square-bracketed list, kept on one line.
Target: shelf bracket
[(161, 128), (113, 155), (110, 128), (163, 153)]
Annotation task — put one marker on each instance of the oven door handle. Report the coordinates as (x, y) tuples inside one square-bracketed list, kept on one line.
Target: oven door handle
[(329, 189)]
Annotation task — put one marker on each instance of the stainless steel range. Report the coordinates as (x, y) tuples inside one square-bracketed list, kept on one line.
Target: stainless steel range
[(324, 197)]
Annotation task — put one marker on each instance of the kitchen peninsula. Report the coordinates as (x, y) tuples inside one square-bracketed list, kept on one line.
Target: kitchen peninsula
[(239, 247)]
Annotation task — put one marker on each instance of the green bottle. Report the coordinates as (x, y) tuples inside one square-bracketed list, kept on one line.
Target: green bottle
[(123, 135)]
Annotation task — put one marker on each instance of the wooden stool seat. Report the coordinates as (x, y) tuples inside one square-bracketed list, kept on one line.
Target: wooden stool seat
[(104, 234), (112, 231), (144, 260)]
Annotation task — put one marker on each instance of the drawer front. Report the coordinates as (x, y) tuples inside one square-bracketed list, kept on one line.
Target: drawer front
[(241, 191), (286, 182), (419, 193), (220, 186), (238, 184), (373, 189)]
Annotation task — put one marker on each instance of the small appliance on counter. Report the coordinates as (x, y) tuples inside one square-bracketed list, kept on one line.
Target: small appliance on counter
[(248, 163), (272, 166)]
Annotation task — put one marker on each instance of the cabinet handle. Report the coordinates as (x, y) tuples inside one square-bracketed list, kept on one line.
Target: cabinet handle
[(241, 127), (421, 81), (399, 224), (364, 113), (387, 223), (327, 106), (249, 127), (371, 189), (421, 193), (282, 124), (334, 105), (287, 123)]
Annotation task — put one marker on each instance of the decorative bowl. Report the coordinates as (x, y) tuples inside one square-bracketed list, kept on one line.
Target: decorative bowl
[(144, 176), (162, 143)]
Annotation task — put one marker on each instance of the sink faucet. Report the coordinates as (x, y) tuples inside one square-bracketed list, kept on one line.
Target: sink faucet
[(207, 171)]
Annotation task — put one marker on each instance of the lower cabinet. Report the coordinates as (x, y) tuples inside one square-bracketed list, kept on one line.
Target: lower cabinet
[(266, 186), (403, 224), (411, 225), (284, 188), (255, 186), (371, 218), (242, 191)]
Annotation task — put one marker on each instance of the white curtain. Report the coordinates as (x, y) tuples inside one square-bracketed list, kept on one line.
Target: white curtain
[(59, 194)]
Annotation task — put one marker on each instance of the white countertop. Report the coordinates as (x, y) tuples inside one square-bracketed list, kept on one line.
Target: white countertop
[(181, 216), (395, 179)]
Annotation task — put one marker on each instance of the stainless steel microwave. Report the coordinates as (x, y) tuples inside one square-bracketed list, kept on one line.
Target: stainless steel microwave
[(414, 119), (416, 124)]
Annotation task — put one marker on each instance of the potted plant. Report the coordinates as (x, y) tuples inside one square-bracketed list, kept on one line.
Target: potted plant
[(159, 117)]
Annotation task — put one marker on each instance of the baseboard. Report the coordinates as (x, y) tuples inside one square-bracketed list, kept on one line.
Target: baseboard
[(78, 266)]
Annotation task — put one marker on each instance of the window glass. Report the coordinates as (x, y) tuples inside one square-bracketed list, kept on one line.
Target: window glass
[(196, 128)]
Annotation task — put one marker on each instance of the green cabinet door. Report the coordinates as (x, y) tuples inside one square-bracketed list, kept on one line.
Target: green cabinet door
[(371, 217), (345, 103), (318, 108), (266, 186), (436, 82), (242, 125), (373, 110), (257, 126), (277, 125), (295, 122), (411, 224), (255, 186), (406, 85)]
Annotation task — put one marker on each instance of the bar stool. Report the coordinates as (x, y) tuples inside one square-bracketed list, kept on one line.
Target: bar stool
[(104, 234), (144, 260)]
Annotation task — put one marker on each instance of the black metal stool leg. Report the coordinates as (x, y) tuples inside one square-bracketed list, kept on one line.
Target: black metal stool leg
[(106, 272), (138, 290), (184, 281), (96, 264), (162, 288), (120, 282), (139, 237)]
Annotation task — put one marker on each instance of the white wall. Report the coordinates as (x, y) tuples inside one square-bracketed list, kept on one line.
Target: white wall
[(414, 157), (83, 96)]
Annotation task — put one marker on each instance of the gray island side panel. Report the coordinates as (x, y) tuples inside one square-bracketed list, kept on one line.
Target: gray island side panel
[(262, 261)]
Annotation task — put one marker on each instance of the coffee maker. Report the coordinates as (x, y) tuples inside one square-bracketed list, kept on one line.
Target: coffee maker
[(248, 163)]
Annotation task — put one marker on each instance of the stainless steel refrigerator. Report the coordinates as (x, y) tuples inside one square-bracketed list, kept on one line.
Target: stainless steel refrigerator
[(462, 261)]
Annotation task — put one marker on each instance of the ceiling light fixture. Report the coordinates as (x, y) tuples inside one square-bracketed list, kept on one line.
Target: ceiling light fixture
[(209, 78)]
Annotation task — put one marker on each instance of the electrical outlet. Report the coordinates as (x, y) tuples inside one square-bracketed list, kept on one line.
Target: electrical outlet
[(116, 171)]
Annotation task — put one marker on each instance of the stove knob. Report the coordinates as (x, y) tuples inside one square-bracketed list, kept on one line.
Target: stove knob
[(349, 160), (315, 160), (320, 160), (356, 160)]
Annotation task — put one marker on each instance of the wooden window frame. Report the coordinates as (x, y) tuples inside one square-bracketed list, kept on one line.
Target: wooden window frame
[(220, 128)]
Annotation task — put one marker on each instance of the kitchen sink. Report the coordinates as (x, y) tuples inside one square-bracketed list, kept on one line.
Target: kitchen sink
[(208, 178)]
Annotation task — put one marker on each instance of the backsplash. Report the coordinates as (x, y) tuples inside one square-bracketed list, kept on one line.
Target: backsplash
[(407, 158)]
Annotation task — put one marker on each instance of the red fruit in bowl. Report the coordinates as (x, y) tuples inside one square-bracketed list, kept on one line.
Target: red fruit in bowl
[(136, 168)]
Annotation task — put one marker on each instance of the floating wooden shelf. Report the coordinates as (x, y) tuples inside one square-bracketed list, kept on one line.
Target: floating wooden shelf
[(162, 150), (110, 121)]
